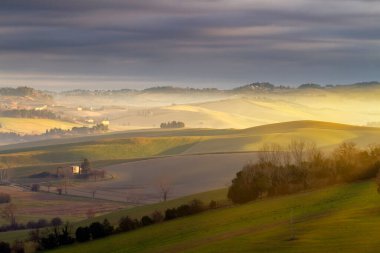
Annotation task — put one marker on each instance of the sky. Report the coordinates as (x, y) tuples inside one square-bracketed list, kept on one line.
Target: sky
[(104, 44)]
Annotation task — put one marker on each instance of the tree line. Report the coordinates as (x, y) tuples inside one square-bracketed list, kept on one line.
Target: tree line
[(172, 124), (24, 113), (77, 130), (60, 234), (300, 166), (19, 91), (54, 132)]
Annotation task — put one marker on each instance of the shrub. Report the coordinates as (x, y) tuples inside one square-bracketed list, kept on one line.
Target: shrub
[(5, 198), (97, 230), (183, 210), (108, 228), (31, 224), (146, 221), (49, 242), (157, 216), (5, 247), (42, 223), (127, 224), (83, 234), (64, 236), (213, 204), (170, 213), (196, 206), (55, 222), (18, 247), (249, 184)]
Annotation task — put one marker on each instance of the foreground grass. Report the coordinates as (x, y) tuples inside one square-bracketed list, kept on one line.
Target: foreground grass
[(343, 218)]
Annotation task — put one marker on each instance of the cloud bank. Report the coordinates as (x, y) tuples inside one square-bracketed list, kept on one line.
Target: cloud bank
[(218, 43)]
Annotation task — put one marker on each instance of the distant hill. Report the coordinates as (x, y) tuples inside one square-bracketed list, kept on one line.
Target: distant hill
[(22, 92), (265, 86), (303, 124), (149, 143), (310, 86), (255, 86)]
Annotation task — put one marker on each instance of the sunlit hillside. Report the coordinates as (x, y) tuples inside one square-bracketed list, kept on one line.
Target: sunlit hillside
[(240, 110), (32, 126)]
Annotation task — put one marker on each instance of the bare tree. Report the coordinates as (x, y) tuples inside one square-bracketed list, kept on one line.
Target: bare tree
[(93, 192), (271, 154), (5, 170), (9, 213), (297, 150), (164, 187), (274, 154), (90, 213), (48, 185), (3, 175)]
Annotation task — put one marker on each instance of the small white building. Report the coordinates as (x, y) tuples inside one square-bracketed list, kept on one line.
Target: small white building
[(41, 108), (75, 169), (105, 122)]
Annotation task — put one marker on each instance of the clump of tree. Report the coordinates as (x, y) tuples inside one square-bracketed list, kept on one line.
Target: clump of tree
[(9, 214), (194, 207), (53, 133), (53, 237), (173, 124), (5, 247), (77, 130), (301, 165), (19, 91)]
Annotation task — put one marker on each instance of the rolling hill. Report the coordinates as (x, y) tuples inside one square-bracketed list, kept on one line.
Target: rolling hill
[(143, 144)]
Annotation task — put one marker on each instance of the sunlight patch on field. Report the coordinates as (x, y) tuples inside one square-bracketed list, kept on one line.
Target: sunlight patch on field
[(32, 126), (222, 118)]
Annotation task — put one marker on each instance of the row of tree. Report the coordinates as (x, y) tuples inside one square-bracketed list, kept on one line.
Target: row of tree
[(77, 130), (8, 214), (59, 235), (16, 247), (19, 91), (301, 165), (54, 132)]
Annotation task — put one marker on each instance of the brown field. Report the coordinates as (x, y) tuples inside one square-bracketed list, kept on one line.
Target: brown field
[(139, 181), (36, 205)]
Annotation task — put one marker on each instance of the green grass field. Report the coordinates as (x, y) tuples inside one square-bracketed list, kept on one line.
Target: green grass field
[(139, 145), (342, 218)]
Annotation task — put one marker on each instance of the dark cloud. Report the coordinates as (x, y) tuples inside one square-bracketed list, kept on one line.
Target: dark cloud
[(194, 42)]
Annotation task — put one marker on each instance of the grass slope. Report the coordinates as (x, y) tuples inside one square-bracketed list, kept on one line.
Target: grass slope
[(343, 218)]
